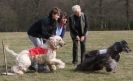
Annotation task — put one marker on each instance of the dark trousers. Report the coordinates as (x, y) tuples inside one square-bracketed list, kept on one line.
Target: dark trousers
[(75, 51)]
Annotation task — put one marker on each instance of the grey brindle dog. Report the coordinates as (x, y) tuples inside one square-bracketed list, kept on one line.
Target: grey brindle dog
[(98, 59)]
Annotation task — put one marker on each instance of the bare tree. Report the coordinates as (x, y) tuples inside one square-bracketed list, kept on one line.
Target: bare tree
[(18, 15), (101, 13), (35, 8), (76, 2), (127, 14)]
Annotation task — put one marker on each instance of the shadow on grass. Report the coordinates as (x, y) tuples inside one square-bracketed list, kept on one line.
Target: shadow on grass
[(86, 72), (3, 69), (71, 69), (90, 72)]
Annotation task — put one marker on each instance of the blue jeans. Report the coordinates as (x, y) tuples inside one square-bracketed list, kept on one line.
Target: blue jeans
[(38, 42)]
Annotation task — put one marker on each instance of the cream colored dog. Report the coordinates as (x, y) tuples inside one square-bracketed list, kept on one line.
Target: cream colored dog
[(24, 58)]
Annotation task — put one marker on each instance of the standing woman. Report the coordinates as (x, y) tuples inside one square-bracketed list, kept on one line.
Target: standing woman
[(78, 30), (61, 27), (44, 28)]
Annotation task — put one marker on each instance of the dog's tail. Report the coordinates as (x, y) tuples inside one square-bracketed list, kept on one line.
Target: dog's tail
[(10, 51)]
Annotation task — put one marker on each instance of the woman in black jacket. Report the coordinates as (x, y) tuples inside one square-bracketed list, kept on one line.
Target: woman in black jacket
[(41, 30), (44, 28)]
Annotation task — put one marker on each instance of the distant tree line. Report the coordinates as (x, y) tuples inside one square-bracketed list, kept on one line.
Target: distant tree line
[(18, 15)]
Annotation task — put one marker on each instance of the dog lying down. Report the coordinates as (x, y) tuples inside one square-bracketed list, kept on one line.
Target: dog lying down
[(47, 55), (98, 59)]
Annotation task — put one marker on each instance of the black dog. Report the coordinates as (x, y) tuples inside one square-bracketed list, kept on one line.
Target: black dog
[(108, 58)]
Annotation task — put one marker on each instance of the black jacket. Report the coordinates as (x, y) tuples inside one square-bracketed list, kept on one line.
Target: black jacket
[(74, 31), (43, 28)]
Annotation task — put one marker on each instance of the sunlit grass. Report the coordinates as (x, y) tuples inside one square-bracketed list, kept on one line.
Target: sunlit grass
[(95, 40)]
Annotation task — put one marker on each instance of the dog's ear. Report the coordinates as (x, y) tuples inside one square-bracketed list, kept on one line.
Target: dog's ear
[(50, 38)]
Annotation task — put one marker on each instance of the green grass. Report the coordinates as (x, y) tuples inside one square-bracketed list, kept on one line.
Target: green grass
[(95, 40)]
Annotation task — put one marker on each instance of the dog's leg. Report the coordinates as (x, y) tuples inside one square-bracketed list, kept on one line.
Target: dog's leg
[(114, 65), (54, 67), (16, 69), (111, 66), (60, 64), (23, 62), (51, 67)]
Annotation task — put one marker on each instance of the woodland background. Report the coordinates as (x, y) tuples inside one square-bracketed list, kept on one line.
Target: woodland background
[(18, 15)]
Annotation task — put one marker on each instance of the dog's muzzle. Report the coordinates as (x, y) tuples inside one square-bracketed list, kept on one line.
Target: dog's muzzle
[(61, 44), (127, 50)]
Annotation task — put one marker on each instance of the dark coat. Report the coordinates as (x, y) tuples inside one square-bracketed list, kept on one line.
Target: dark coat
[(43, 28), (83, 24)]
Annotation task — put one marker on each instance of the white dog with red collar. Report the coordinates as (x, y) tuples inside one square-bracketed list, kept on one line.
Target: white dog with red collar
[(46, 55)]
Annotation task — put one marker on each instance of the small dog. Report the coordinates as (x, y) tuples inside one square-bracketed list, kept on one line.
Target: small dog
[(47, 55), (98, 59)]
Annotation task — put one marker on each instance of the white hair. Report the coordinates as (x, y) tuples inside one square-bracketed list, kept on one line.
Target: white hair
[(76, 8)]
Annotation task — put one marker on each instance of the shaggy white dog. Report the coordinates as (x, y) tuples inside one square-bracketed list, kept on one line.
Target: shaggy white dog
[(24, 58)]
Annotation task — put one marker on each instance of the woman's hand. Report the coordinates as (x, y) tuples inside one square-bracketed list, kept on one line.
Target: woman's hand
[(78, 38), (82, 38)]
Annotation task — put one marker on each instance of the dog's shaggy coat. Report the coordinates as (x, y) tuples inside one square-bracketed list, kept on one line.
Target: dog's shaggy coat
[(108, 58), (24, 58)]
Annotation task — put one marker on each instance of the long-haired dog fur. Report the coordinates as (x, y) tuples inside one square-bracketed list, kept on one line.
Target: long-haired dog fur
[(98, 59), (24, 59)]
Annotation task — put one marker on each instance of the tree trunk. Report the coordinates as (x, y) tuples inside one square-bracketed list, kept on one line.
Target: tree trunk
[(76, 2), (127, 14), (101, 13), (35, 7)]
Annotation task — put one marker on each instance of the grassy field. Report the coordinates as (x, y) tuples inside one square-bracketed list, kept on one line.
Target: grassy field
[(96, 40)]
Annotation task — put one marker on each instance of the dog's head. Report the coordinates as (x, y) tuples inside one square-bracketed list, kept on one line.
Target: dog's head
[(56, 42), (122, 46)]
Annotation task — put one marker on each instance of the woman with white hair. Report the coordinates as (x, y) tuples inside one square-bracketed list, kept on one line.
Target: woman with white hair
[(78, 29)]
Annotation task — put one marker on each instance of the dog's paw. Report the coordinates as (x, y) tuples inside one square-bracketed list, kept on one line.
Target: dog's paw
[(62, 66), (20, 72)]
